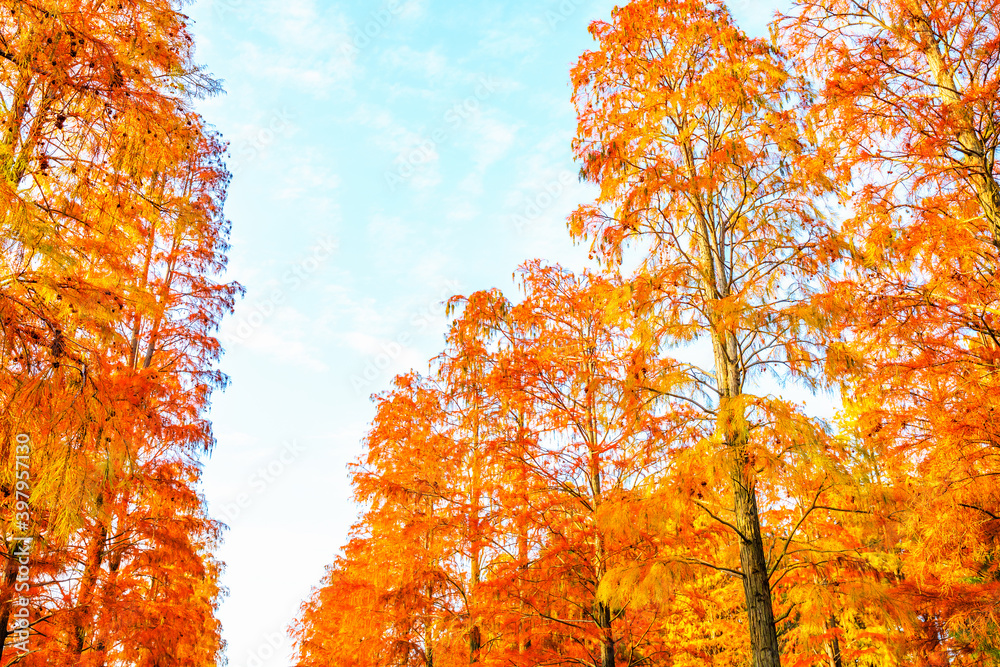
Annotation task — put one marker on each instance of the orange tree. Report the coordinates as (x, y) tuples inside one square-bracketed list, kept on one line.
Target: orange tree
[(489, 493), (691, 131), (111, 193), (399, 594), (908, 104), (580, 443)]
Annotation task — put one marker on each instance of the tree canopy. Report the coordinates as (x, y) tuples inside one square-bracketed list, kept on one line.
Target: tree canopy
[(596, 474)]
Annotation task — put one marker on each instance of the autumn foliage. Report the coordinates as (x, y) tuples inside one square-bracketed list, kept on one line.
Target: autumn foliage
[(602, 473), (112, 233)]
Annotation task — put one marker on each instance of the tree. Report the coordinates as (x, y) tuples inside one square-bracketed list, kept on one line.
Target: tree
[(111, 194), (569, 358), (688, 127), (485, 490), (417, 488), (908, 104)]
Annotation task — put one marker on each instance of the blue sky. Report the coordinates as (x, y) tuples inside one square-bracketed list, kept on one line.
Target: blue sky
[(386, 155)]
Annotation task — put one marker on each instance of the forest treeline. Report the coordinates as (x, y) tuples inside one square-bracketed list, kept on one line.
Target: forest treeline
[(112, 235), (593, 474)]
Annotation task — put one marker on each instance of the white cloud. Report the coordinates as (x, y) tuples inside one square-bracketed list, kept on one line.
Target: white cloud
[(493, 139), (388, 230), (506, 43), (307, 49), (412, 10), (309, 177), (280, 334), (416, 158), (299, 25), (431, 63)]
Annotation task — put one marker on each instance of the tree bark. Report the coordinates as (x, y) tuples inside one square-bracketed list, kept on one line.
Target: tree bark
[(83, 616), (756, 583), (602, 615), (980, 175), (733, 430), (833, 645), (475, 634), (607, 637), (753, 561), (7, 596), (522, 537)]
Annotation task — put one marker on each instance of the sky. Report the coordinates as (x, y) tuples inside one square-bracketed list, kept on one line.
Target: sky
[(386, 155)]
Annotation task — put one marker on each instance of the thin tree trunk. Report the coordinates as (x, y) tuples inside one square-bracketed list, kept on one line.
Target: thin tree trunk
[(9, 579), (83, 616), (756, 583), (607, 637), (734, 433), (475, 634), (602, 615), (428, 647), (753, 561), (109, 594), (522, 555), (522, 538), (980, 176), (833, 645)]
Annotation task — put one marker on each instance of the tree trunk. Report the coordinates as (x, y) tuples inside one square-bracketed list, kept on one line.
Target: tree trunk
[(522, 538), (607, 637), (734, 432), (83, 616), (7, 595), (756, 583), (523, 643), (109, 594), (428, 648), (602, 616), (833, 645), (753, 561), (979, 164), (475, 634)]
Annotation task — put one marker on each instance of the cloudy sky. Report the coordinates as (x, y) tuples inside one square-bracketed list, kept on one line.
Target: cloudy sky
[(387, 154)]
